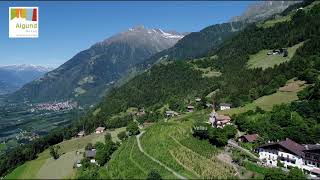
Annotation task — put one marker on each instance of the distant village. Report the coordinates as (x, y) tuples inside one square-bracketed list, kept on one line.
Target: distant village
[(56, 106)]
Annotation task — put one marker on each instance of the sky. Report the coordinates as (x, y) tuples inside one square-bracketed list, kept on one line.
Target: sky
[(66, 28)]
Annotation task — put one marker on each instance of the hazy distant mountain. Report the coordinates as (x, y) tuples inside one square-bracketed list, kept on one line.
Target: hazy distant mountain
[(87, 75), (262, 10), (14, 77)]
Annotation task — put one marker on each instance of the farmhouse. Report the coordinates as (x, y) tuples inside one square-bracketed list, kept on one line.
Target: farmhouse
[(91, 154), (198, 99), (249, 138), (190, 108), (141, 112), (224, 106), (100, 130), (280, 51), (171, 113), (219, 121), (81, 134), (292, 154)]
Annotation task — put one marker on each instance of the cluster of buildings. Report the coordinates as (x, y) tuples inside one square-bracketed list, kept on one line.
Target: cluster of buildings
[(280, 51), (288, 154), (59, 106), (220, 121), (99, 130), (25, 136)]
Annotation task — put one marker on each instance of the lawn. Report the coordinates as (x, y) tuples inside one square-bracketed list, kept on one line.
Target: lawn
[(285, 94), (271, 23), (262, 60)]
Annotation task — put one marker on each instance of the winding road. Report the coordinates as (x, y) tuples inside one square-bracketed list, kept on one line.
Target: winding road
[(155, 160)]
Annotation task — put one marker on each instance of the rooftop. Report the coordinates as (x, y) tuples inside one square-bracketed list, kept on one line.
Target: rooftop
[(290, 145), (225, 104), (251, 137)]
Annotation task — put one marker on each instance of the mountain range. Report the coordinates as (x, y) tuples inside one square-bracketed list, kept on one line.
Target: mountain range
[(13, 77), (87, 75), (90, 74)]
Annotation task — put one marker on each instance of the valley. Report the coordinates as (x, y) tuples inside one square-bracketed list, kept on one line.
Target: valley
[(21, 122)]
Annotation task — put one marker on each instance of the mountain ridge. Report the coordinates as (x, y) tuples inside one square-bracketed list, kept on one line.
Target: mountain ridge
[(87, 75)]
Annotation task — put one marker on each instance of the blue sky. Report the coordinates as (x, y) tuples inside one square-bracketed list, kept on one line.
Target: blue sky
[(65, 28)]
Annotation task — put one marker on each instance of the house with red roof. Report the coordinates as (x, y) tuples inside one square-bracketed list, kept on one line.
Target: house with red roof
[(249, 138)]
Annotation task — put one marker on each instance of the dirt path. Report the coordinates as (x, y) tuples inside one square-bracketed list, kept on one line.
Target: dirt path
[(225, 157), (155, 160)]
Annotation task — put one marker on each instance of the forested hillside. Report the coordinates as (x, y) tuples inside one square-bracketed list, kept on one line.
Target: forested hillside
[(237, 84)]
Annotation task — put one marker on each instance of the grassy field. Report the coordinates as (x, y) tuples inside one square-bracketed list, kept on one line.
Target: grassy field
[(262, 60), (285, 94), (271, 23), (44, 167)]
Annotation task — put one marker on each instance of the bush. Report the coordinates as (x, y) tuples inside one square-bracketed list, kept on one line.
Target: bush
[(54, 151), (122, 135), (154, 175), (133, 128)]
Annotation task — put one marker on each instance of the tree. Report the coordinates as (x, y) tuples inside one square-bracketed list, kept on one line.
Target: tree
[(88, 171), (107, 137), (296, 173), (122, 135), (54, 152), (154, 175), (89, 146), (133, 128)]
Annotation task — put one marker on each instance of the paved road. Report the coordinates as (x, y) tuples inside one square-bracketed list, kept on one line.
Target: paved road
[(155, 160), (235, 145)]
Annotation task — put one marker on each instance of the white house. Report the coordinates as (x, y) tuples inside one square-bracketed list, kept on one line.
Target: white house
[(171, 113), (81, 134), (224, 106), (100, 130), (291, 154)]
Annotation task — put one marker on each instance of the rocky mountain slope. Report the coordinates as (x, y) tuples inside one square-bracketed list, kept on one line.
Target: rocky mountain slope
[(87, 75), (263, 10), (199, 43)]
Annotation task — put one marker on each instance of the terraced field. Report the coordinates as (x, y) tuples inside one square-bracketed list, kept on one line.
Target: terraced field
[(172, 144)]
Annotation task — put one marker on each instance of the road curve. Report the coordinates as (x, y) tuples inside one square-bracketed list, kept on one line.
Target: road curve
[(155, 160)]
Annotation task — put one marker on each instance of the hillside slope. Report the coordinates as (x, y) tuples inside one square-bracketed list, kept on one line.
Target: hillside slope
[(176, 84)]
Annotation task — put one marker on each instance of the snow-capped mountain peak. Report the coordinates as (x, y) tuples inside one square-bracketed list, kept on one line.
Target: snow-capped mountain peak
[(26, 67)]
